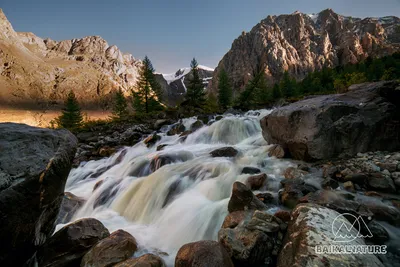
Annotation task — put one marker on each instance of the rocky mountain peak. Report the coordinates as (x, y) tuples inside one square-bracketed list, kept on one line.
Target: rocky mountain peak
[(300, 43), (34, 70)]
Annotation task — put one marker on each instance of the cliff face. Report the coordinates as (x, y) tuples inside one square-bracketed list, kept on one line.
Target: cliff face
[(300, 43), (34, 71)]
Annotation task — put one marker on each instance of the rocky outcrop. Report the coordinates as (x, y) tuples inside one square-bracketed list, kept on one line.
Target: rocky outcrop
[(367, 118), (34, 166), (300, 43), (202, 254), (67, 246), (311, 226)]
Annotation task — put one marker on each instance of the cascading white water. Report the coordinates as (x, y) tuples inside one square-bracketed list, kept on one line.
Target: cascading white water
[(184, 200)]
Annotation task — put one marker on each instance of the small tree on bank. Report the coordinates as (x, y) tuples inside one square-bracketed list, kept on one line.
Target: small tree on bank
[(120, 111), (148, 95), (224, 90), (71, 117)]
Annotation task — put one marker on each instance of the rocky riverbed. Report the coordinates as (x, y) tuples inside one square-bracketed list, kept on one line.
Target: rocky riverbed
[(209, 190)]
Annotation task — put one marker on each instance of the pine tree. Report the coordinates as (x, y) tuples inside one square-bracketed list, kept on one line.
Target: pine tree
[(120, 111), (276, 92), (148, 95), (262, 93), (224, 90), (287, 85), (246, 98), (71, 117), (195, 96)]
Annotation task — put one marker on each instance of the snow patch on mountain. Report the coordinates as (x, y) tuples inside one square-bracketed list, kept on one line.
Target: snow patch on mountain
[(181, 73)]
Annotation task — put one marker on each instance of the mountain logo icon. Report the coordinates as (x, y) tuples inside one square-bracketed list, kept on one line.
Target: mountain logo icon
[(346, 227)]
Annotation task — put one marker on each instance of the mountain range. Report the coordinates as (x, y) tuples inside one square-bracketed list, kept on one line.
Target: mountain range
[(300, 43), (36, 71)]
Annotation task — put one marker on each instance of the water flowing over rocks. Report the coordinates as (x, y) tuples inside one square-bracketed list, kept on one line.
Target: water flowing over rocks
[(34, 166), (311, 225), (172, 191), (364, 119)]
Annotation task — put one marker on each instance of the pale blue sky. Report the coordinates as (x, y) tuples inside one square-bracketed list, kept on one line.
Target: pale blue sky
[(169, 32)]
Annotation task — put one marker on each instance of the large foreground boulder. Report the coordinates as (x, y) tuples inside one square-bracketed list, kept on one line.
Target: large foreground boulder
[(146, 260), (367, 118), (34, 166), (119, 246), (313, 225), (252, 238), (67, 246), (204, 253)]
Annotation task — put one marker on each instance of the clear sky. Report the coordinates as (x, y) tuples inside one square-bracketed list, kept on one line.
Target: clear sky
[(170, 32)]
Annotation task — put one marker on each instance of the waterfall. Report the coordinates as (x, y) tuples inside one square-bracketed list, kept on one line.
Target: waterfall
[(177, 195)]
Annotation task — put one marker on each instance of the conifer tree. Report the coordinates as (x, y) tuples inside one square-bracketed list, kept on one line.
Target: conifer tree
[(224, 90), (148, 95), (195, 96), (71, 117), (120, 111), (287, 85), (276, 92)]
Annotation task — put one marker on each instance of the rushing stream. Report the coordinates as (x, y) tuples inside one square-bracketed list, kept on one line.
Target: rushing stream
[(185, 199)]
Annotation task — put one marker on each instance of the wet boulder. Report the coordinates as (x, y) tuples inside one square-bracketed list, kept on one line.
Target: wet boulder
[(69, 205), (196, 125), (160, 123), (151, 140), (224, 152), (132, 135), (254, 241), (34, 166), (243, 199), (292, 172), (203, 118), (233, 219), (381, 182), (203, 254), (146, 260), (250, 170), (337, 202), (67, 246), (176, 129), (383, 212), (119, 246), (276, 151), (266, 198), (311, 226), (255, 182), (340, 125), (293, 190)]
